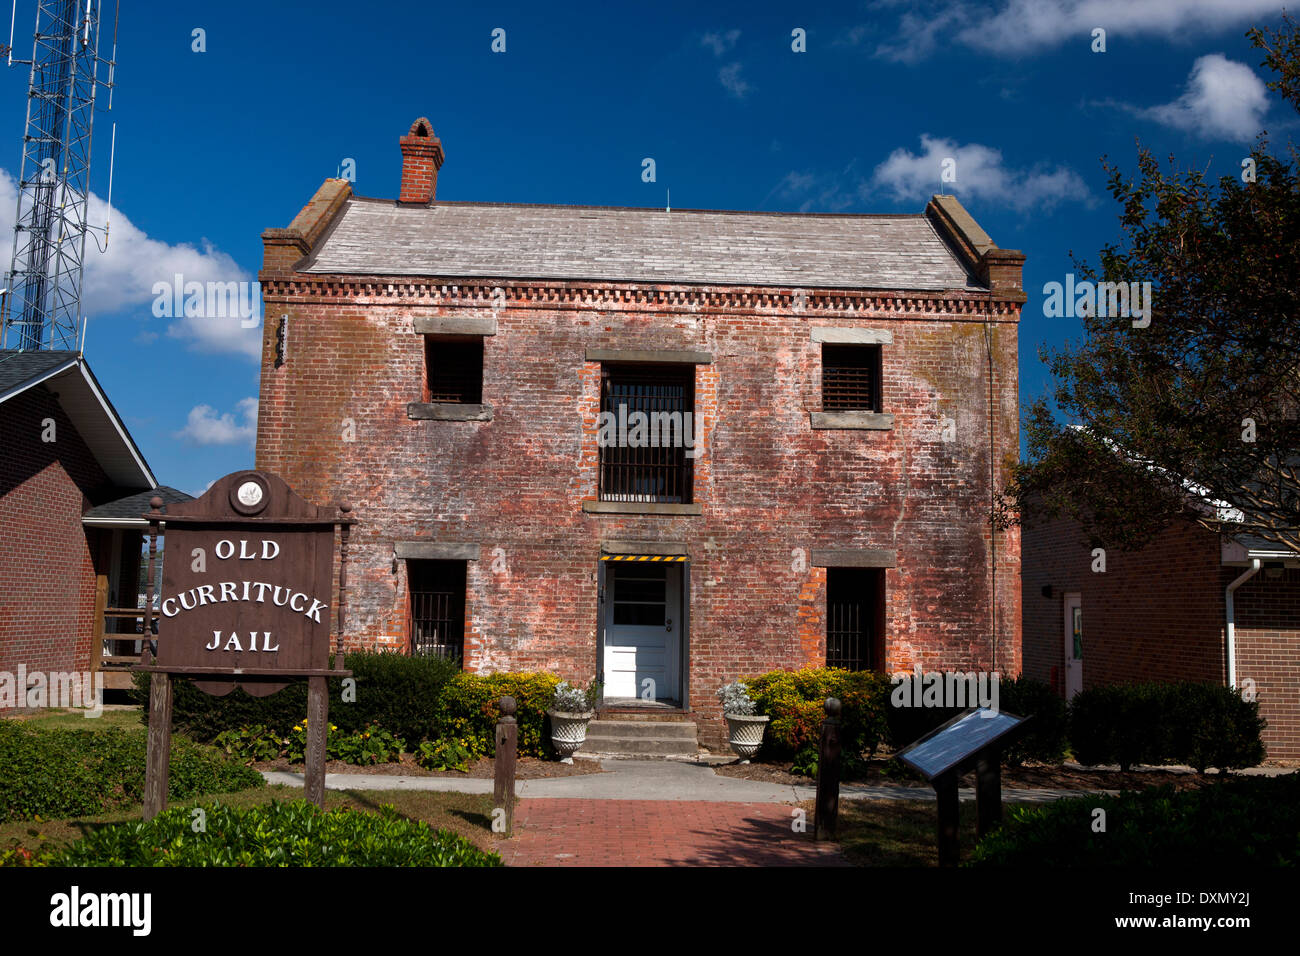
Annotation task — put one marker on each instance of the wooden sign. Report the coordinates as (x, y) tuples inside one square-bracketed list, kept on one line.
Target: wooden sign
[(245, 602), (247, 590)]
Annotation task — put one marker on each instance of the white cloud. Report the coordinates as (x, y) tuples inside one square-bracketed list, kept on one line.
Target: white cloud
[(1223, 100), (720, 43), (122, 278), (206, 427), (1025, 26), (732, 81), (980, 174)]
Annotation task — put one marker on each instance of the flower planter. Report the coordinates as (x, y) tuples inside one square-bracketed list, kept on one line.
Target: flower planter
[(568, 732), (745, 734)]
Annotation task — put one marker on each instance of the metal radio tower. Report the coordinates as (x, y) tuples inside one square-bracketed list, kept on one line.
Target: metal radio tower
[(43, 307)]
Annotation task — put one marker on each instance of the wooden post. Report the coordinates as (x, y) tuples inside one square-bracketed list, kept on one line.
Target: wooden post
[(988, 791), (318, 717), (158, 759), (945, 789), (503, 790), (826, 815)]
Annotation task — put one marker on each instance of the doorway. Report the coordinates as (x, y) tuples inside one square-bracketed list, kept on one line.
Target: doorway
[(642, 633), (1073, 631)]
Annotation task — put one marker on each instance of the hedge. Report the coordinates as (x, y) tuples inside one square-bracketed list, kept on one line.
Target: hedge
[(1185, 722), (294, 833), (68, 773), (795, 702), (415, 698), (398, 692), (1241, 821)]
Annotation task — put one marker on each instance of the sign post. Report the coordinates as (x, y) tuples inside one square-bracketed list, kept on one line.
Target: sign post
[(245, 602), (973, 739)]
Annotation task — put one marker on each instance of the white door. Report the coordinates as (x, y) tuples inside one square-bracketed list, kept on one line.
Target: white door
[(1073, 630), (642, 630)]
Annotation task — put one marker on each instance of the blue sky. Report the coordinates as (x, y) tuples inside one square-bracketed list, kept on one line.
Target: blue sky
[(215, 146)]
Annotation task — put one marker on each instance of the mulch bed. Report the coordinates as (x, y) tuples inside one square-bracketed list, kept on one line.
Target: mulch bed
[(885, 772), (527, 768)]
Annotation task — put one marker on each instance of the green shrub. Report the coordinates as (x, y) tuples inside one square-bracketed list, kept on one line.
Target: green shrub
[(470, 709), (67, 773), (371, 746), (1242, 821), (795, 702), (398, 692), (279, 834), (443, 755), (1046, 736), (250, 743), (1160, 723), (412, 698)]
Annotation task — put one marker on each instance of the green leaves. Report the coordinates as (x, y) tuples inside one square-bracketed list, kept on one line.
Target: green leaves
[(65, 773), (292, 833), (1241, 821), (1167, 403)]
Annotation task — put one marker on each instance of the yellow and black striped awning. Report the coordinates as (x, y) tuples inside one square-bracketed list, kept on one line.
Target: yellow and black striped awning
[(643, 557)]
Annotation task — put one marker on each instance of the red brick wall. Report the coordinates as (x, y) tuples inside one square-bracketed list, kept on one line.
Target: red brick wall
[(47, 598), (1159, 614), (771, 488), (1268, 652)]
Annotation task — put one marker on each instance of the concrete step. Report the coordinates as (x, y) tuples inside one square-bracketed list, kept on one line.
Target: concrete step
[(679, 730), (662, 739)]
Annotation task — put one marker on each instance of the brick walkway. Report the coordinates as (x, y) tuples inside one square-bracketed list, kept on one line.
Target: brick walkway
[(557, 832)]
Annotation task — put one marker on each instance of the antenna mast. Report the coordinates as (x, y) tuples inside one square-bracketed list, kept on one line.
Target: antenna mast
[(43, 307)]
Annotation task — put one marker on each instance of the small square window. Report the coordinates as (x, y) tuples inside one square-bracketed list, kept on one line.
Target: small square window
[(453, 370), (851, 378)]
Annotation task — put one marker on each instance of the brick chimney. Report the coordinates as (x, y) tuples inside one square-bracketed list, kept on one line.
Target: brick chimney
[(421, 159)]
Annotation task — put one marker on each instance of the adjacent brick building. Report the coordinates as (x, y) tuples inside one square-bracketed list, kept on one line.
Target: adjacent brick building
[(852, 387), (73, 487), (1162, 613)]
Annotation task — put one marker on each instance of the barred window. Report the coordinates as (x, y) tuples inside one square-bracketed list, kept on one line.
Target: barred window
[(653, 406), (437, 611), (854, 599), (851, 378)]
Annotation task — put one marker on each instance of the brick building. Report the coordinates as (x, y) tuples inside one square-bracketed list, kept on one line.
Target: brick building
[(471, 377), (1164, 613), (73, 487)]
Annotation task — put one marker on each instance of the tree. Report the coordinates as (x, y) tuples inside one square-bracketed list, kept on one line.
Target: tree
[(1199, 408)]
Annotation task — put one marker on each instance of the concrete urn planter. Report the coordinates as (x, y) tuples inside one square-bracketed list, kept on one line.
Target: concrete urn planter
[(568, 732), (745, 734)]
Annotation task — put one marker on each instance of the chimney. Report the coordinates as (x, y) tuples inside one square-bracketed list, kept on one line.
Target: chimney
[(421, 159)]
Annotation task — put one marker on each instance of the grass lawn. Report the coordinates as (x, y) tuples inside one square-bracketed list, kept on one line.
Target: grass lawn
[(896, 832), (468, 815), (76, 719)]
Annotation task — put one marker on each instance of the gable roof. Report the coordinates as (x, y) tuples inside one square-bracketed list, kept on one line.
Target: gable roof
[(601, 243), (84, 402)]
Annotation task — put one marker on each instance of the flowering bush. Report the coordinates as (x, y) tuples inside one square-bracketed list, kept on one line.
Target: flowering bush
[(370, 746)]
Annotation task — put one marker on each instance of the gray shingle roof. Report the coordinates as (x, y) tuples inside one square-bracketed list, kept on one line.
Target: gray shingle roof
[(135, 505), (19, 367), (378, 237)]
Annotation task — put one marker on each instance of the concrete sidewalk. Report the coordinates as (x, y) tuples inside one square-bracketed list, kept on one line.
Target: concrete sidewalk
[(658, 780)]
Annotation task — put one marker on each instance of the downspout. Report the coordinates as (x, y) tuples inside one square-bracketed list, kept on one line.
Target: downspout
[(1250, 572)]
